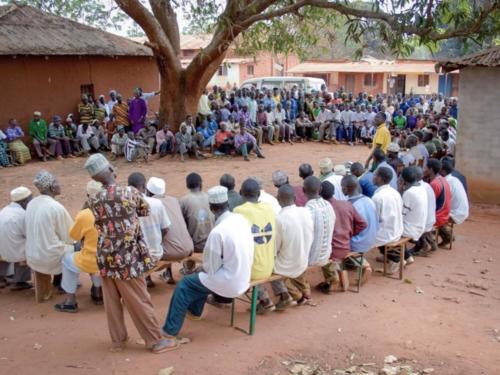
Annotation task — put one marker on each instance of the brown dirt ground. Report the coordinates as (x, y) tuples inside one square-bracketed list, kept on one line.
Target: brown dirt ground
[(452, 326)]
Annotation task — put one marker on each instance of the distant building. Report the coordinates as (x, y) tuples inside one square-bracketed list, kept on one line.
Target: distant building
[(235, 68), (380, 76), (478, 143), (47, 62)]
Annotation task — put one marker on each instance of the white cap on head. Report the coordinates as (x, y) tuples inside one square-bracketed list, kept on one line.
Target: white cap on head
[(340, 170), (156, 186), (93, 188), (20, 193), (96, 163), (37, 113), (393, 147), (325, 165), (217, 195)]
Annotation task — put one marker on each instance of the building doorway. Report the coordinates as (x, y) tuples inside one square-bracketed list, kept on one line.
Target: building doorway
[(400, 85), (350, 82)]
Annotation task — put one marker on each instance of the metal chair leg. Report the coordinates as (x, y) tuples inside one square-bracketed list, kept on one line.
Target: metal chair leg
[(402, 251), (253, 311), (233, 310)]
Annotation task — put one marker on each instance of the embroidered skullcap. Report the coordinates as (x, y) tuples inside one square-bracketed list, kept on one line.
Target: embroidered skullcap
[(156, 186), (96, 164), (44, 180), (19, 193), (217, 195), (37, 113), (393, 147)]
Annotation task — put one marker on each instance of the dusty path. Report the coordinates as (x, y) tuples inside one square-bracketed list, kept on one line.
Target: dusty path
[(449, 327)]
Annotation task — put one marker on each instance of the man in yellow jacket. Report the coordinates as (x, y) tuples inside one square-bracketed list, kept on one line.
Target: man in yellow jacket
[(84, 260), (263, 223)]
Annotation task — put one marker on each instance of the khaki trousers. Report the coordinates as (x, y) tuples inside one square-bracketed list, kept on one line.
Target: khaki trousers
[(134, 295), (298, 287)]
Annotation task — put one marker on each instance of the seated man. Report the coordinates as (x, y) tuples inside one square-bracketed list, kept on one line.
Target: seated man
[(348, 223), (165, 141), (223, 141), (414, 207), (442, 195), (148, 135), (263, 227), (234, 198), (324, 221), (14, 139), (118, 142), (47, 228), (285, 132), (305, 170), (185, 144), (389, 207), (88, 139), (294, 237), (227, 265), (264, 123), (365, 179), (135, 149), (303, 127), (43, 145), (270, 121), (70, 130), (56, 132), (85, 260), (177, 244), (245, 121), (244, 143), (364, 240), (207, 136), (101, 133), (13, 234)]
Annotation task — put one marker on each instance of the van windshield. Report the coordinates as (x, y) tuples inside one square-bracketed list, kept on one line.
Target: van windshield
[(316, 86)]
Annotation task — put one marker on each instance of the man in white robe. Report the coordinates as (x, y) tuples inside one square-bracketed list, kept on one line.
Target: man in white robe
[(227, 265), (47, 228), (13, 235)]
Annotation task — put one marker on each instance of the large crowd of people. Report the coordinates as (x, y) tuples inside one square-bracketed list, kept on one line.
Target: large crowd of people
[(244, 234), (235, 122)]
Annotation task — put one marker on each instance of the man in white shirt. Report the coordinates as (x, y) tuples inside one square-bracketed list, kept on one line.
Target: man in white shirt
[(414, 206), (155, 226), (294, 237), (439, 103), (357, 121), (324, 122), (334, 175), (448, 141), (459, 211), (13, 235), (267, 198), (227, 265), (370, 116), (390, 213)]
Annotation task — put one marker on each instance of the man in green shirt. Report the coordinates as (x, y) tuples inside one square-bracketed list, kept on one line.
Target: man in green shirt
[(43, 145), (400, 120)]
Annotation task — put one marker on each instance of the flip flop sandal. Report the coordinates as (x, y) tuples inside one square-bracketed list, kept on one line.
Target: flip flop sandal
[(157, 349), (69, 308), (183, 340)]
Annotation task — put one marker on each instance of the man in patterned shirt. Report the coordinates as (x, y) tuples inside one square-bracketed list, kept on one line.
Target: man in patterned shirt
[(123, 258)]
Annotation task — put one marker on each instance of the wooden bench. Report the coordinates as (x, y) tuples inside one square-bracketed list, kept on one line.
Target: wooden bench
[(162, 264), (399, 245), (357, 259), (451, 223), (43, 286)]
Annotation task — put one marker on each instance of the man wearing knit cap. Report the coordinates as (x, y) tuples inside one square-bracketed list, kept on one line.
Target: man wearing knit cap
[(333, 175), (13, 234), (47, 229), (177, 244), (84, 260), (123, 258), (227, 265)]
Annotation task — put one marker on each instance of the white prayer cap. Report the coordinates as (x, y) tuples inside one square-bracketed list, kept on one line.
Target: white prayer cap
[(393, 147), (340, 170), (156, 186), (37, 113), (93, 188), (325, 165), (44, 180), (96, 163), (217, 195), (20, 193)]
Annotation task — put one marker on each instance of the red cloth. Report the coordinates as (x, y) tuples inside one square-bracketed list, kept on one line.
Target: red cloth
[(221, 136), (348, 223), (300, 197), (443, 200)]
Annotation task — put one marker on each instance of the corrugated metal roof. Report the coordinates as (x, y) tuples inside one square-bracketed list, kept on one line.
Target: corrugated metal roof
[(28, 31), (366, 66), (487, 58)]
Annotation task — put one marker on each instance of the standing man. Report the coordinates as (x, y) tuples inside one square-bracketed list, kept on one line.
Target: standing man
[(137, 111), (227, 265), (263, 227), (122, 258), (382, 137), (120, 113), (13, 235), (389, 207), (47, 229), (86, 110)]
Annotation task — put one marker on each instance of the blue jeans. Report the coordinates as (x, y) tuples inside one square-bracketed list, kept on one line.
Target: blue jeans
[(340, 133), (189, 295)]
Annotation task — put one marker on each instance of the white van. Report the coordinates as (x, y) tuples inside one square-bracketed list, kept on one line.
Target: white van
[(307, 84)]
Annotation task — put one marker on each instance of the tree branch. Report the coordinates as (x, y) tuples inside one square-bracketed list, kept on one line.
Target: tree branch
[(153, 30), (165, 15)]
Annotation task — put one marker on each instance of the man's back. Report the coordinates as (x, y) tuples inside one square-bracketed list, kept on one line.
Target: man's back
[(13, 233), (365, 240), (442, 194), (459, 210), (152, 226), (294, 237), (324, 221), (336, 181), (390, 213), (414, 212), (263, 226), (199, 218), (178, 243)]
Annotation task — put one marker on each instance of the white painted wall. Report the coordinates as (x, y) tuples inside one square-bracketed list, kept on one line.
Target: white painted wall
[(233, 76), (412, 84)]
